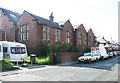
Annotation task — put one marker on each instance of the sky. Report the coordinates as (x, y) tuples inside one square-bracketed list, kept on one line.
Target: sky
[(100, 15)]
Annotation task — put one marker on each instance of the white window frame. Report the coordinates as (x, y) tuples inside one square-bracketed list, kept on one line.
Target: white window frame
[(79, 38), (57, 35), (24, 32), (44, 33), (68, 37), (48, 34)]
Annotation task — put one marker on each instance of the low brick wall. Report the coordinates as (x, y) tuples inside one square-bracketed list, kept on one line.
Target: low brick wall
[(2, 35), (65, 57)]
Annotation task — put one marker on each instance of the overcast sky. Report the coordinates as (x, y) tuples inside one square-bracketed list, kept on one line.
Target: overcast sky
[(100, 15)]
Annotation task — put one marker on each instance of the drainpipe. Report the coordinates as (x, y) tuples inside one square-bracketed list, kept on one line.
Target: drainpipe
[(16, 33)]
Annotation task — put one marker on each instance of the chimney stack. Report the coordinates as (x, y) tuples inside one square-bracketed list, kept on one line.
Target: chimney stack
[(51, 17)]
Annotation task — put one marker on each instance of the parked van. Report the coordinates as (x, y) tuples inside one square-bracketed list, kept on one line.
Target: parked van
[(100, 52), (13, 51), (1, 51)]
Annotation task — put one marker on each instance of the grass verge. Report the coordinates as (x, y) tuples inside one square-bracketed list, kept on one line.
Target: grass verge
[(6, 65)]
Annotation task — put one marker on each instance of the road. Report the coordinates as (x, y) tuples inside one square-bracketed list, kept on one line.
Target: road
[(106, 70)]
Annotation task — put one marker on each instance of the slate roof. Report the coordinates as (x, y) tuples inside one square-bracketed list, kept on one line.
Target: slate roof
[(13, 16), (45, 21)]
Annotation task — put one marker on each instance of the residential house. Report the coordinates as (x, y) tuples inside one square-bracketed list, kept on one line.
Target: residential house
[(8, 24), (81, 37), (91, 38), (35, 31), (67, 32)]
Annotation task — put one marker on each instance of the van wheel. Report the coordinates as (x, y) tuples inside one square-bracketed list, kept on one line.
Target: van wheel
[(79, 61), (89, 61), (96, 59), (102, 58)]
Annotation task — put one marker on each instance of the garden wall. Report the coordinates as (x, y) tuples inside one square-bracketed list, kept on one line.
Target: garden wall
[(64, 57)]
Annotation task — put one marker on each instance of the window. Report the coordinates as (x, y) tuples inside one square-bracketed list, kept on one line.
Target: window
[(85, 40), (68, 37), (79, 38), (5, 49), (46, 33), (57, 35), (24, 33), (89, 40), (18, 50)]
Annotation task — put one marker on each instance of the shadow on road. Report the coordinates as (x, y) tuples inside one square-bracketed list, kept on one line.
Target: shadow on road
[(107, 64)]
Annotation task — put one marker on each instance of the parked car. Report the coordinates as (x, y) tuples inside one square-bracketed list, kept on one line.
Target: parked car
[(87, 57), (114, 53), (110, 54), (118, 52)]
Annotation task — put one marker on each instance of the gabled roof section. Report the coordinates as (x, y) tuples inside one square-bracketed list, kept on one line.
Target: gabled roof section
[(13, 16), (45, 21), (102, 40), (82, 26), (90, 30), (62, 23)]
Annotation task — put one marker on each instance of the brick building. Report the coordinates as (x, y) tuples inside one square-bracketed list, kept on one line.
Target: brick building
[(67, 32), (91, 38), (35, 31), (81, 37), (8, 24)]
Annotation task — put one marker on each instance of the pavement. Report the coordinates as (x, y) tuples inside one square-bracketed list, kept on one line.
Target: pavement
[(33, 67)]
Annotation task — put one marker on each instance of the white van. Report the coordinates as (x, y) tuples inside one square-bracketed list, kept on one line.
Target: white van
[(13, 51), (99, 52), (1, 51)]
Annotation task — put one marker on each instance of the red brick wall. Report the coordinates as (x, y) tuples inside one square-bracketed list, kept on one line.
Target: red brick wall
[(81, 29), (67, 57), (0, 35), (7, 25)]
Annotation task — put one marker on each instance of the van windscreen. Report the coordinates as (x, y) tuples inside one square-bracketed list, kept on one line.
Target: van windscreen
[(18, 50)]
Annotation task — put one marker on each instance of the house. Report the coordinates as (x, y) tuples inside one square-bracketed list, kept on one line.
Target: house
[(67, 32), (8, 24), (102, 40), (81, 37), (91, 38), (35, 31)]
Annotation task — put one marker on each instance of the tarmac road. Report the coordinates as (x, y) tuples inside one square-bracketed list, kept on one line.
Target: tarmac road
[(106, 70)]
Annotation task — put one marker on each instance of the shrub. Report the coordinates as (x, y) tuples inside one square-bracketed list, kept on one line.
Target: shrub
[(87, 49), (44, 50), (53, 48), (74, 49), (63, 47), (42, 61)]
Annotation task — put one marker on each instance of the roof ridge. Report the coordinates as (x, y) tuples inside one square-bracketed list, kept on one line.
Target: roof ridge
[(45, 21)]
